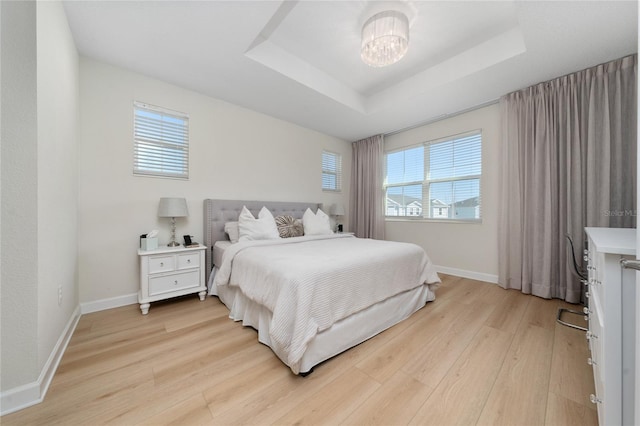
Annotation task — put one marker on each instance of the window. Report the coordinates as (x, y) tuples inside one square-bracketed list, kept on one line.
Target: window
[(436, 180), (161, 142), (331, 171)]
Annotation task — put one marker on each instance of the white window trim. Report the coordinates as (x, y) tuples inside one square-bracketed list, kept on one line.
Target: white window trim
[(337, 173), (159, 174), (426, 182)]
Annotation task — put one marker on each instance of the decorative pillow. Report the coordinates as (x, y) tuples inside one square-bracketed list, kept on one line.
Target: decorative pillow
[(262, 228), (233, 231), (289, 227), (316, 224)]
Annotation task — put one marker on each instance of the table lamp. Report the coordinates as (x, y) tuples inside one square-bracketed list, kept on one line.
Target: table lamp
[(173, 207), (337, 210)]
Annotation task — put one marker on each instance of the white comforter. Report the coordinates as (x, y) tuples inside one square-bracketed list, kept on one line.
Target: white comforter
[(309, 283)]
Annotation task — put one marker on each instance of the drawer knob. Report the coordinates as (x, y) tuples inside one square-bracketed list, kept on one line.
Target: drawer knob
[(161, 263), (594, 399), (586, 310), (586, 317), (587, 295), (188, 260), (591, 362), (175, 282)]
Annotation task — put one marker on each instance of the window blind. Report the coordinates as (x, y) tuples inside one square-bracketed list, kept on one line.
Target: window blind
[(161, 142), (436, 180), (331, 171)]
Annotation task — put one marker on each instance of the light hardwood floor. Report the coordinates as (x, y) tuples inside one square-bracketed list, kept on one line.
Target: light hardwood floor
[(477, 355)]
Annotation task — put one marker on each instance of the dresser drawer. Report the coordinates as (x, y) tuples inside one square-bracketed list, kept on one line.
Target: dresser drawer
[(596, 330), (161, 264), (173, 282), (188, 260), (596, 286)]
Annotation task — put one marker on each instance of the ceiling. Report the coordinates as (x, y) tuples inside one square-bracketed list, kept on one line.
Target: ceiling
[(299, 60)]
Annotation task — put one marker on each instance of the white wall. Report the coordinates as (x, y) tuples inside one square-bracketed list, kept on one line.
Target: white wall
[(58, 106), (467, 249), (235, 153), (19, 195), (39, 194)]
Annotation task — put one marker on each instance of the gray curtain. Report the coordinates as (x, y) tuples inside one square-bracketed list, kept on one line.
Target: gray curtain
[(367, 194), (569, 161)]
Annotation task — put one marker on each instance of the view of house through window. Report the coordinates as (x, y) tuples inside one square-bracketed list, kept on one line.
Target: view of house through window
[(436, 180)]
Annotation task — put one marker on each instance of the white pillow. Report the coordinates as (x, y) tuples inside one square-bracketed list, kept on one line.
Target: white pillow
[(316, 224), (263, 228), (233, 231)]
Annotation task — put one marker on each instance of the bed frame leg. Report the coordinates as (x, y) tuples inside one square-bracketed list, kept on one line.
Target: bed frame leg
[(306, 373)]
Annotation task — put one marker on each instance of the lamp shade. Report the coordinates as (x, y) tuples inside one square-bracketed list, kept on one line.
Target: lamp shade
[(173, 207), (336, 210), (385, 38)]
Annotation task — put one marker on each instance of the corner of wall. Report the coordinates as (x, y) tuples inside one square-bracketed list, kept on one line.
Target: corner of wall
[(33, 393)]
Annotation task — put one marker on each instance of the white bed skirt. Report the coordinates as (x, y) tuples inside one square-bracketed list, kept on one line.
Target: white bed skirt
[(343, 335)]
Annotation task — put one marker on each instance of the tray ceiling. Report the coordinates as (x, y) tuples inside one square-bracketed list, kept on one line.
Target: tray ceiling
[(299, 60)]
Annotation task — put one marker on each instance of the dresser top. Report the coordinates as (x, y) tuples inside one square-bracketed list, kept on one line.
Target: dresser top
[(613, 240), (166, 249)]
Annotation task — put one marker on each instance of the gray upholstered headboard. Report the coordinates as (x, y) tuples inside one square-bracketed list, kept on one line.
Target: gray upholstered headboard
[(219, 212)]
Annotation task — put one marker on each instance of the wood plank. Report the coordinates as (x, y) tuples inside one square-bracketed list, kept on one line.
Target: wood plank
[(508, 315), (135, 349), (383, 363), (571, 376), (334, 404), (191, 411), (462, 290), (563, 411), (541, 312), (235, 390), (394, 402), (470, 380), (131, 409), (286, 393), (441, 348), (520, 391), (202, 357), (282, 396)]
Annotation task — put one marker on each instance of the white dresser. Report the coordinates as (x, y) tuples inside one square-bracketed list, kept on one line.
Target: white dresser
[(169, 272), (611, 335)]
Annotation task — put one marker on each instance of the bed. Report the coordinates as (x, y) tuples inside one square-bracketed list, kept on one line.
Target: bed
[(312, 297)]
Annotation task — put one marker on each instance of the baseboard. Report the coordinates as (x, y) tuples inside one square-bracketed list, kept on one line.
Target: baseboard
[(33, 393), (110, 303), (480, 276)]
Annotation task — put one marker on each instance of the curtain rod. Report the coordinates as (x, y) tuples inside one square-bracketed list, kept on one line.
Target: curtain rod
[(444, 116)]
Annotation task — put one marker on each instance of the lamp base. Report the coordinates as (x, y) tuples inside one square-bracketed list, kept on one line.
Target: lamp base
[(173, 244)]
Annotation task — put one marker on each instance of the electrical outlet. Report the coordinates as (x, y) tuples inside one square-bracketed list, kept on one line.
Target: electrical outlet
[(59, 295)]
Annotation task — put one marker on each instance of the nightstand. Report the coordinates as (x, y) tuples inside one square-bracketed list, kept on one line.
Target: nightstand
[(169, 272)]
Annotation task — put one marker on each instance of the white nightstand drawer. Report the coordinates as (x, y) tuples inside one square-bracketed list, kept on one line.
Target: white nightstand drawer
[(188, 260), (174, 282), (170, 272), (161, 264)]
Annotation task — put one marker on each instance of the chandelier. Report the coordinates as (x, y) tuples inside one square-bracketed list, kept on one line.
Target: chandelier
[(385, 38)]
